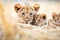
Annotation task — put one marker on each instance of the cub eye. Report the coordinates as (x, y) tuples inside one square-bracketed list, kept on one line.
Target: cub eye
[(38, 20), (18, 9), (31, 13), (23, 13)]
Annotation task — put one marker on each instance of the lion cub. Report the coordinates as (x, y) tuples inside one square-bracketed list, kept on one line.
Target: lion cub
[(26, 13), (56, 20), (40, 19)]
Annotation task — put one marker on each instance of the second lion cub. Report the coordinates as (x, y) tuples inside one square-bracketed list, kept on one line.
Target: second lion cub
[(40, 19)]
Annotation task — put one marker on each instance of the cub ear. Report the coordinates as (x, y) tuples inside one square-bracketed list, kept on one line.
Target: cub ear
[(36, 7), (43, 16), (54, 15), (17, 7)]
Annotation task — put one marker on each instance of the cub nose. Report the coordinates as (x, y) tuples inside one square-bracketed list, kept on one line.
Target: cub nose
[(26, 17)]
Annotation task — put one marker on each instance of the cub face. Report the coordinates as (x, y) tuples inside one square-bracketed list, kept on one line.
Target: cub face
[(26, 13), (40, 19), (55, 16), (59, 17), (56, 20)]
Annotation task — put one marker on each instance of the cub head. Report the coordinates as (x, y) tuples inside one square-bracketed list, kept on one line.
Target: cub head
[(55, 16), (40, 19), (26, 13), (59, 16)]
